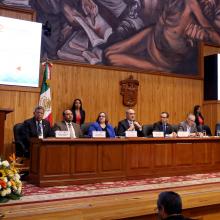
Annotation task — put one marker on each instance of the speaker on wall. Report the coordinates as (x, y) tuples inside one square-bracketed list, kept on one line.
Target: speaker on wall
[(212, 77)]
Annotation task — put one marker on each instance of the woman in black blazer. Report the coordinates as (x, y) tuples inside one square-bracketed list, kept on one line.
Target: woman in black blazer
[(199, 120), (78, 112)]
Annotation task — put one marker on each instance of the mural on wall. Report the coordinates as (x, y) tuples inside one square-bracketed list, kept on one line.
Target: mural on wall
[(148, 35)]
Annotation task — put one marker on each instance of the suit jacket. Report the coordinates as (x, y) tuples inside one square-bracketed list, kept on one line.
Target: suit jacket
[(123, 126), (96, 127), (31, 128), (61, 126), (158, 126), (83, 115), (183, 126)]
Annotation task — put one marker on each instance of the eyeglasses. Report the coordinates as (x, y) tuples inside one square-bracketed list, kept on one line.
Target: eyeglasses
[(101, 116), (163, 117)]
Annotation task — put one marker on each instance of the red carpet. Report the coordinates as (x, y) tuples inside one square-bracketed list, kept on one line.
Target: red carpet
[(33, 193)]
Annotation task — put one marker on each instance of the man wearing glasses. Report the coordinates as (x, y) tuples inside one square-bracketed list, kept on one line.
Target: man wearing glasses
[(163, 124), (189, 125), (129, 124)]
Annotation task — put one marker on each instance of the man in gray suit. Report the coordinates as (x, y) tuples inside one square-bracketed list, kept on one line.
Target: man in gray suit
[(188, 125), (68, 125)]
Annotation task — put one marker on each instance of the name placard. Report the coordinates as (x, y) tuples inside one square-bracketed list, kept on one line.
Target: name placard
[(41, 136), (183, 134), (98, 134), (158, 134), (130, 133), (62, 134)]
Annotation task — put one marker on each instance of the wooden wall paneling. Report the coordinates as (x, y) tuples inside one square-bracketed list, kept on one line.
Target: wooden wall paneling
[(98, 88), (23, 104), (211, 111), (146, 100)]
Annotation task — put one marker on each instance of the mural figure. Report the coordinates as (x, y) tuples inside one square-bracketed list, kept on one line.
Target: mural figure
[(149, 35), (169, 44)]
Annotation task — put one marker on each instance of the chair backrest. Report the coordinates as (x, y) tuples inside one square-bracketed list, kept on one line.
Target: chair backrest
[(147, 130), (175, 128), (207, 129), (85, 128), (19, 133), (21, 141)]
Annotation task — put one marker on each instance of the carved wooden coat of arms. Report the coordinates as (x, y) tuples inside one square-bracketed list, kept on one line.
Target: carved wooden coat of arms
[(129, 91)]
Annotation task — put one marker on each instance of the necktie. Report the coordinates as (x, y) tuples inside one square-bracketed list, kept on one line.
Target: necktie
[(39, 132), (72, 132), (164, 128), (131, 123)]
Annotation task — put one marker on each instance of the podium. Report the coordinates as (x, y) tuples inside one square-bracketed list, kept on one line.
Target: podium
[(3, 113)]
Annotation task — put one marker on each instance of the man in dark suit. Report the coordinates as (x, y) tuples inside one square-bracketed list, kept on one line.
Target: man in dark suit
[(68, 125), (129, 124), (163, 124), (169, 206), (37, 126)]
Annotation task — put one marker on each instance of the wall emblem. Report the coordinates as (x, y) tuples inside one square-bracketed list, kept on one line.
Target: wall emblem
[(129, 91)]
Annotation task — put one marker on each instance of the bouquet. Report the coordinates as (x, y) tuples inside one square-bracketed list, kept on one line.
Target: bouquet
[(10, 183)]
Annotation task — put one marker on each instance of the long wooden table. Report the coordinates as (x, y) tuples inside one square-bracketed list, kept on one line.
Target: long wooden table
[(79, 161)]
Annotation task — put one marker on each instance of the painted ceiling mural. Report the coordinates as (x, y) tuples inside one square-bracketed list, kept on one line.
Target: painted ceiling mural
[(148, 35)]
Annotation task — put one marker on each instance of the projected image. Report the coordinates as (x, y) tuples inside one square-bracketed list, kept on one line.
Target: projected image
[(20, 43)]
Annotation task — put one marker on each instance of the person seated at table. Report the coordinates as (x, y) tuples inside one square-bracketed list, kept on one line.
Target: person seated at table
[(163, 125), (169, 206), (68, 125), (36, 127), (102, 124), (129, 124), (78, 112), (189, 125)]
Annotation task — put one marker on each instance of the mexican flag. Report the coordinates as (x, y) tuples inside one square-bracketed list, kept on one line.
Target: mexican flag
[(45, 94)]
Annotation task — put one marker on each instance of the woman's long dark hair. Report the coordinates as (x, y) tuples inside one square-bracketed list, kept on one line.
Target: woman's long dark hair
[(74, 102), (196, 107)]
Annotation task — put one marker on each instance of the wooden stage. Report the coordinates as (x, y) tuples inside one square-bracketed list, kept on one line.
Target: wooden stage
[(201, 202)]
